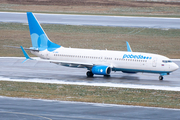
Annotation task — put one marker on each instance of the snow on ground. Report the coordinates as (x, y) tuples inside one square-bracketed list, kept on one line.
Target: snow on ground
[(151, 87)]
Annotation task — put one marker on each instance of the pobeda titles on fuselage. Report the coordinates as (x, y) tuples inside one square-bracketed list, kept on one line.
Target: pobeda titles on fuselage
[(136, 56)]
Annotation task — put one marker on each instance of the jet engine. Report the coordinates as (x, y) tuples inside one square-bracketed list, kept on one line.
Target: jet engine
[(101, 70)]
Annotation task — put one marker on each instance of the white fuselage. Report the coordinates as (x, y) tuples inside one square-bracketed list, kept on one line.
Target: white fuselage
[(98, 62), (117, 60)]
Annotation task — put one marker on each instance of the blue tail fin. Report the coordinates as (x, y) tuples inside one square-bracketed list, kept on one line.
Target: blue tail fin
[(39, 38)]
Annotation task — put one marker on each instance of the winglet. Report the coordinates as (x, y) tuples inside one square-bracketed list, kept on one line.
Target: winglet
[(128, 47), (25, 54)]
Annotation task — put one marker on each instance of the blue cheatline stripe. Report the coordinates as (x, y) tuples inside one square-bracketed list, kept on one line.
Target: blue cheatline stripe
[(38, 36), (138, 70)]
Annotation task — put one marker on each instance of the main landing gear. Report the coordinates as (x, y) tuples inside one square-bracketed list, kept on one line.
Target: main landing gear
[(160, 77), (89, 74)]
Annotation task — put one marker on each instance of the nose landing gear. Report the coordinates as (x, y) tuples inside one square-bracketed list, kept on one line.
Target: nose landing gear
[(162, 74), (160, 77)]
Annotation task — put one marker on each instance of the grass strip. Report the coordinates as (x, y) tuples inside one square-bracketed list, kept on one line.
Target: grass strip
[(109, 95), (153, 9), (160, 41), (103, 14)]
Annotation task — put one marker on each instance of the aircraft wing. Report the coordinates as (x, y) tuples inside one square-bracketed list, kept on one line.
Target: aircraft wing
[(66, 63), (58, 62), (72, 64)]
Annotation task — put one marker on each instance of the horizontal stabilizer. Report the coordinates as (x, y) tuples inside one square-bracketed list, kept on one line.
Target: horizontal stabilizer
[(32, 49), (25, 54)]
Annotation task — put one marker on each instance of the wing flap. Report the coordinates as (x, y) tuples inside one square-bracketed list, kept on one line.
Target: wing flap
[(72, 64)]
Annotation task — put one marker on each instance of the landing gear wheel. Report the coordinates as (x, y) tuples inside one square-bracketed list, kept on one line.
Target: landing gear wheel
[(160, 77), (89, 74)]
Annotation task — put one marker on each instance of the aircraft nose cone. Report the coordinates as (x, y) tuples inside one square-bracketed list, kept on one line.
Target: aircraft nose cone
[(175, 66)]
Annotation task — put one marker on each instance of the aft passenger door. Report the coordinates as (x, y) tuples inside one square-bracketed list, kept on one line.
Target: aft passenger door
[(47, 55), (154, 62)]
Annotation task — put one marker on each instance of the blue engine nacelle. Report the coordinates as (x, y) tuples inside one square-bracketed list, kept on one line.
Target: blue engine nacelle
[(101, 70)]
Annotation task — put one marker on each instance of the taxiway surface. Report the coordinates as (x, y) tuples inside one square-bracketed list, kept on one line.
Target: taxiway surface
[(34, 71), (95, 20), (31, 109)]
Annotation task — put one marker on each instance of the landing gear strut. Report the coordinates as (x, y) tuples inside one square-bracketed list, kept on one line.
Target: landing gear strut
[(160, 77), (107, 76), (89, 74)]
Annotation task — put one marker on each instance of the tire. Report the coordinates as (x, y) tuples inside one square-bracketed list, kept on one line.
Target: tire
[(160, 77), (89, 74)]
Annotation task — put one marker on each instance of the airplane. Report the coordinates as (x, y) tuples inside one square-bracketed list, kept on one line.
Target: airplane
[(97, 62)]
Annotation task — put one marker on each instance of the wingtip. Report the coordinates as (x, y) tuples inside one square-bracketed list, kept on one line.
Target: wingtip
[(128, 47), (29, 13)]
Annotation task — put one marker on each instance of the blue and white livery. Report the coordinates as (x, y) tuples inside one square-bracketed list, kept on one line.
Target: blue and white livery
[(98, 62)]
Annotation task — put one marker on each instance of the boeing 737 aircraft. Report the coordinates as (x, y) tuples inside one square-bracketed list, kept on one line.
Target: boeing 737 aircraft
[(97, 62)]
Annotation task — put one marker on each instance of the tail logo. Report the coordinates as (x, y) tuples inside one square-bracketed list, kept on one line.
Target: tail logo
[(39, 38)]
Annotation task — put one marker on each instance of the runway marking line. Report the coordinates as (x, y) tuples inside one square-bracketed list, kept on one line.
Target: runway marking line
[(25, 114), (48, 115)]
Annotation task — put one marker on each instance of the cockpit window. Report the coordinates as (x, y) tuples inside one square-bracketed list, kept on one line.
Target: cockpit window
[(166, 61)]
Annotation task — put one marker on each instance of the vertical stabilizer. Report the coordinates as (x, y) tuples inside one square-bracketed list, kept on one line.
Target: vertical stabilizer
[(39, 38)]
